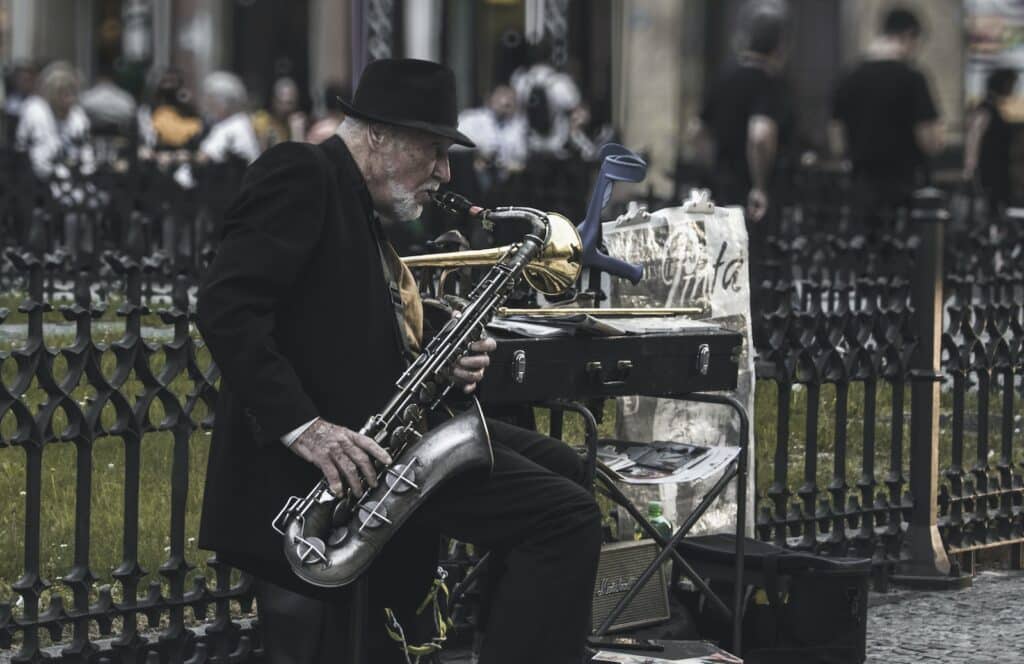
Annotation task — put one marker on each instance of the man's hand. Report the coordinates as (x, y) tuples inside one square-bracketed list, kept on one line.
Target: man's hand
[(469, 369), (342, 455), (757, 204)]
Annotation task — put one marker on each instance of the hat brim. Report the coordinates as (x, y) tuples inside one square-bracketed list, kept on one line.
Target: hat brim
[(440, 130)]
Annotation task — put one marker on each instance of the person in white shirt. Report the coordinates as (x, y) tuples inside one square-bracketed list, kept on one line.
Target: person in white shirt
[(499, 130), (53, 128), (110, 108), (223, 103)]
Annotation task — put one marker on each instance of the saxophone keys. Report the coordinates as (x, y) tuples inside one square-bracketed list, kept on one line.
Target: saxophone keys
[(310, 549), (342, 513), (401, 436), (401, 478), (427, 392), (338, 535), (372, 515), (412, 413)]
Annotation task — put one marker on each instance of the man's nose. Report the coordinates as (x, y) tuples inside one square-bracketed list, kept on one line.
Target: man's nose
[(443, 170)]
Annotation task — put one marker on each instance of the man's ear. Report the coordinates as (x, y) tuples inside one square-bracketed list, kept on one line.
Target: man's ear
[(376, 136)]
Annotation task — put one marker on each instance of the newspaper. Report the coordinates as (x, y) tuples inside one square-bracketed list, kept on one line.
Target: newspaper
[(629, 658), (675, 652), (664, 462)]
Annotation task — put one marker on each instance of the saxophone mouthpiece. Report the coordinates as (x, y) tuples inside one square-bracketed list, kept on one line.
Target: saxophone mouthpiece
[(455, 204)]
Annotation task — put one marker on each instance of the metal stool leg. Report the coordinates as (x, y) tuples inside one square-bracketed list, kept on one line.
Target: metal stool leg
[(356, 649)]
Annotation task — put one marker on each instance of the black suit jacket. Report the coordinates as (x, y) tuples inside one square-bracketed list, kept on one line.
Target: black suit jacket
[(297, 315)]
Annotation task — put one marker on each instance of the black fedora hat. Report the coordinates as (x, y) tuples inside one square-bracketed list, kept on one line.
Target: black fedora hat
[(417, 94)]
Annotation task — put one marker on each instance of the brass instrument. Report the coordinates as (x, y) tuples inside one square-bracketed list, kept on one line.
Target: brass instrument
[(331, 540), (623, 312), (551, 273)]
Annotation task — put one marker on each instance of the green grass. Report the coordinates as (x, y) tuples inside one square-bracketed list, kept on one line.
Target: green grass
[(59, 469), (11, 302)]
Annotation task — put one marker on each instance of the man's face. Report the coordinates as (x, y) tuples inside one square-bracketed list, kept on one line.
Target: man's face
[(63, 99), (911, 45), (503, 102), (414, 164)]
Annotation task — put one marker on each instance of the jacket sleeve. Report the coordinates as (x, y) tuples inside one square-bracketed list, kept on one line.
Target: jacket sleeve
[(269, 233)]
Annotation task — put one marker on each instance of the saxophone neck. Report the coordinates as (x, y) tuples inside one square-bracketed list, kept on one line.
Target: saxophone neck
[(455, 204), (540, 227)]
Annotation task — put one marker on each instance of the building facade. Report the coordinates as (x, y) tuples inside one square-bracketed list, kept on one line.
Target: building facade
[(643, 65)]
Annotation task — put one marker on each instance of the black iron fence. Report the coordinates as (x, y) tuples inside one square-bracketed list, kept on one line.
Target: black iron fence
[(131, 392), (848, 337), (848, 462)]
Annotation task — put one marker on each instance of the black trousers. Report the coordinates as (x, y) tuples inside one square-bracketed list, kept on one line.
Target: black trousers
[(544, 531)]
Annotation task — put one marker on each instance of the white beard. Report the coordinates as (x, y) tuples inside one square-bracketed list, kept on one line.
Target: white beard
[(406, 207)]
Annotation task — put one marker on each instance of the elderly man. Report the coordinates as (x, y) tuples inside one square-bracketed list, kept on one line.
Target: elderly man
[(309, 314)]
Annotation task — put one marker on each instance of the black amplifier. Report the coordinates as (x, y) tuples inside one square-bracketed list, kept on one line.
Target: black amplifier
[(618, 570), (578, 367)]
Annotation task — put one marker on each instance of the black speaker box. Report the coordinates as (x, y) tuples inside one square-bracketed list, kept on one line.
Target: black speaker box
[(800, 608)]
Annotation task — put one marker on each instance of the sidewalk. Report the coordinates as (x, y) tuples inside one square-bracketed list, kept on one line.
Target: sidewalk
[(982, 624)]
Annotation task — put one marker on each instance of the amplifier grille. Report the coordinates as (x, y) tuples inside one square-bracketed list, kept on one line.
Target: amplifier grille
[(619, 568)]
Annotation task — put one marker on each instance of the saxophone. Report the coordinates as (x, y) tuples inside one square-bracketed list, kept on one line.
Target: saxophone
[(331, 540)]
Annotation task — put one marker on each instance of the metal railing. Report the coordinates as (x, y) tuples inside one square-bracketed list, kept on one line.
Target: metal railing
[(895, 413), (886, 366), (81, 402)]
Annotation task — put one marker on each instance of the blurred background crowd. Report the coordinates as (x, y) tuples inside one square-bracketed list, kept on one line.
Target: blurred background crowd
[(168, 100)]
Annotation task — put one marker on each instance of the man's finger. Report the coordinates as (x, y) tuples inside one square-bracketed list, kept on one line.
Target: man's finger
[(483, 345), (465, 376), (348, 471), (362, 462), (370, 446), (332, 477), (473, 362)]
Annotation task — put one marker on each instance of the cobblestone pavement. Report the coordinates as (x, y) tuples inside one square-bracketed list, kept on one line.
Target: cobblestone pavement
[(983, 624)]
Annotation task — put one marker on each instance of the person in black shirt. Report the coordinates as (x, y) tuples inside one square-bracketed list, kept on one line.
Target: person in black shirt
[(884, 117), (989, 136), (748, 116)]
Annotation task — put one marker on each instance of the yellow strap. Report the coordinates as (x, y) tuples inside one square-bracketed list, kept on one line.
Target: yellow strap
[(441, 622)]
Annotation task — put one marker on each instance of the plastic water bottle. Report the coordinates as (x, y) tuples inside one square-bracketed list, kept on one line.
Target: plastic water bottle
[(658, 520)]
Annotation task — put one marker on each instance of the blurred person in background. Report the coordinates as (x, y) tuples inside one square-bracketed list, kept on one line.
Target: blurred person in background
[(583, 140), (168, 119), (885, 120), (547, 97), (283, 121), (989, 139), (334, 94), (231, 133), (499, 130), (110, 108), (748, 116), (52, 128), (20, 85)]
